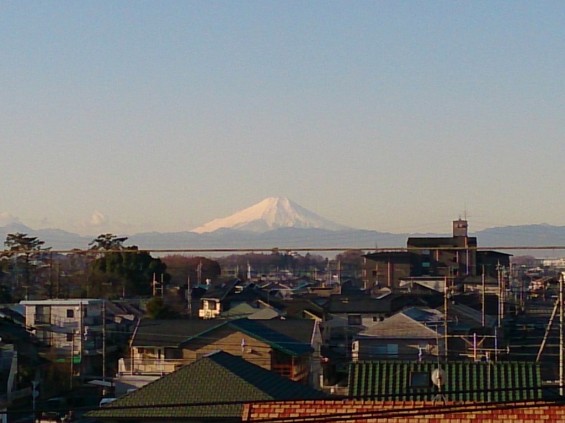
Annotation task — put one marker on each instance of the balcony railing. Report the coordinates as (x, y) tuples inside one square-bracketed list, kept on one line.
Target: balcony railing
[(148, 366)]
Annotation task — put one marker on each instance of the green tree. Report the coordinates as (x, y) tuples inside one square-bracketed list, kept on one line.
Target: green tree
[(123, 271), (107, 242), (196, 269), (23, 256), (157, 309)]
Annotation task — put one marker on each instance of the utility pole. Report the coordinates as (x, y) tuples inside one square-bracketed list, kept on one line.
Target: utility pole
[(104, 340), (189, 296), (561, 334), (81, 340), (500, 299), (445, 305), (483, 296), (72, 359)]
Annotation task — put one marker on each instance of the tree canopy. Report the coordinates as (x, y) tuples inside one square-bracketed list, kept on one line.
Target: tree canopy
[(123, 271), (107, 242), (22, 259), (22, 243)]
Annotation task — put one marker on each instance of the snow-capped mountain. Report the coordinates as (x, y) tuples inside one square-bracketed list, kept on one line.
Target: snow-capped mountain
[(270, 214)]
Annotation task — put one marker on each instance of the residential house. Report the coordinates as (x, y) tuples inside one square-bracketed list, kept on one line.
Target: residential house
[(20, 364), (412, 334), (211, 389), (10, 389), (219, 299), (419, 333), (347, 315), (287, 347)]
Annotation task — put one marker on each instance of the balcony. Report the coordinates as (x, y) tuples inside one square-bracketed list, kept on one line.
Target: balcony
[(127, 366)]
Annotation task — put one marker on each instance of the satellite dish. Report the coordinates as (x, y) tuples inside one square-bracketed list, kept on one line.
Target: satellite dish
[(438, 377)]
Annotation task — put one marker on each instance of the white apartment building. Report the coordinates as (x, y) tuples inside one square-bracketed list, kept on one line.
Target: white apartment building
[(72, 327)]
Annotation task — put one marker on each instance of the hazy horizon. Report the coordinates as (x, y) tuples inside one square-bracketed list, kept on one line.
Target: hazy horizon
[(392, 116)]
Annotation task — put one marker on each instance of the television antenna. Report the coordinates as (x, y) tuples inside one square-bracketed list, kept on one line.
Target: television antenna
[(438, 379)]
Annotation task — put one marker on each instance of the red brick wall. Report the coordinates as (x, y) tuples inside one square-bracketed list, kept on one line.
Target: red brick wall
[(353, 411)]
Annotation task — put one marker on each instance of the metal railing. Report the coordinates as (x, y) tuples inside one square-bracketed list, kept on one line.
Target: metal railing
[(149, 366)]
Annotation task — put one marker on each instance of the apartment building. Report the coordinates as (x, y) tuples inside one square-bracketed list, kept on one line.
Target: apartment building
[(71, 328)]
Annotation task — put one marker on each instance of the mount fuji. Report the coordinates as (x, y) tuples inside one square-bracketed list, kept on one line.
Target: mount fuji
[(270, 214), (281, 223)]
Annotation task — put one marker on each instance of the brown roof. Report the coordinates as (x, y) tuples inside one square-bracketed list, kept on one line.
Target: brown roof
[(352, 411)]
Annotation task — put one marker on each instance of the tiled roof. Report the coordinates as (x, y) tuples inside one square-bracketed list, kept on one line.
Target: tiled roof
[(464, 381), (293, 337), (388, 304), (351, 411), (298, 307), (239, 310), (276, 338), (221, 291), (266, 314), (358, 304), (260, 329), (168, 333), (402, 326), (215, 379), (300, 329)]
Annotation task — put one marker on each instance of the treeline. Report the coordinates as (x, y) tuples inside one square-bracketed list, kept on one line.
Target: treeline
[(110, 268)]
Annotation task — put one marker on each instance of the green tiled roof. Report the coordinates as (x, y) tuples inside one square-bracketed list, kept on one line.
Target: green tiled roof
[(464, 381), (219, 377)]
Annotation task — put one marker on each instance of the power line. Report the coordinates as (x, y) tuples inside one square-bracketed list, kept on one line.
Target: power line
[(281, 249)]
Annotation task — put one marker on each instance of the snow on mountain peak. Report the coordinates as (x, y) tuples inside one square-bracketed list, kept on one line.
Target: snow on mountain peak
[(271, 213)]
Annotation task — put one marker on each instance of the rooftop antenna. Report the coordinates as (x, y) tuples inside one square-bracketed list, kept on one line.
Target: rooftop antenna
[(199, 272), (438, 379), (189, 296)]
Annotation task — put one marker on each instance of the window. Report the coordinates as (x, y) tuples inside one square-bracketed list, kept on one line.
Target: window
[(70, 337), (419, 380), (43, 314), (70, 313)]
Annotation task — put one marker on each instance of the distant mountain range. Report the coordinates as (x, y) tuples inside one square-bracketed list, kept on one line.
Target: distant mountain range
[(270, 214), (281, 223)]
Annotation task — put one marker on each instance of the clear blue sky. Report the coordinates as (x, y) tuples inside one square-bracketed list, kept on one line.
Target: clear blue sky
[(133, 116)]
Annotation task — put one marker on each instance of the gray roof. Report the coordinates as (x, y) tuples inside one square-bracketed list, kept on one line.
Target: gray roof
[(400, 326), (290, 336), (168, 333), (260, 330), (300, 329)]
